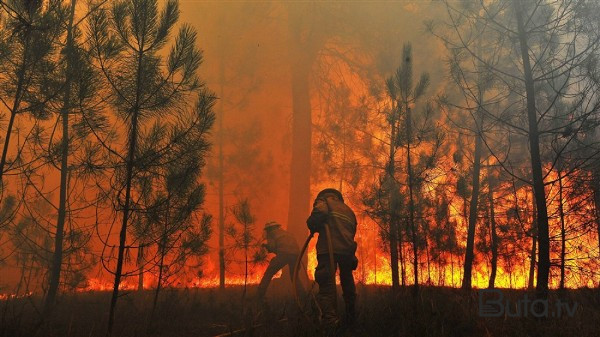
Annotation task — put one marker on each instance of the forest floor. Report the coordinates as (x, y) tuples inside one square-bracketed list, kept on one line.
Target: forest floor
[(209, 312)]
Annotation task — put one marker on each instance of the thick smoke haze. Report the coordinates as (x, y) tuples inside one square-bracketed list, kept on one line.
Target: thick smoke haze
[(248, 55)]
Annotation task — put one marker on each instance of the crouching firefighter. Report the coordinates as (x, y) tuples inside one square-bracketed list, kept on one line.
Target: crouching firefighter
[(332, 217), (286, 250)]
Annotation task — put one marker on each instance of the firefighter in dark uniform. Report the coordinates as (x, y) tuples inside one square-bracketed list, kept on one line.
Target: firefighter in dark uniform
[(286, 250), (330, 210)]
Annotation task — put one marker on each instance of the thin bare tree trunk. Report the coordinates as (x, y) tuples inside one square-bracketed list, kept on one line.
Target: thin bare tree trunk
[(16, 104), (428, 261), (469, 253), (563, 241), (401, 256), (494, 235), (221, 184), (452, 267), (536, 162), (391, 170), (64, 171), (245, 273), (140, 264), (411, 203), (161, 265), (596, 191), (128, 181), (532, 255)]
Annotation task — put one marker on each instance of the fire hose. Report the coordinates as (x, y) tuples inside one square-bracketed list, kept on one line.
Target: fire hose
[(297, 268), (332, 267)]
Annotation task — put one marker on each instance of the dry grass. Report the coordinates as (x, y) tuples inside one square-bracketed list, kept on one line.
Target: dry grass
[(209, 312)]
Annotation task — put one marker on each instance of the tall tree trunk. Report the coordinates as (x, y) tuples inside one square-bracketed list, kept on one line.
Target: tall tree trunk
[(532, 254), (245, 273), (16, 105), (428, 259), (391, 171), (221, 182), (375, 264), (469, 254), (563, 241), (536, 162), (411, 202), (64, 170), (301, 155), (494, 235), (161, 265), (596, 191), (452, 267), (128, 180), (140, 264), (301, 63), (362, 257), (401, 256)]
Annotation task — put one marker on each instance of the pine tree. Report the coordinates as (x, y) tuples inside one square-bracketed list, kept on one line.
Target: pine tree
[(27, 45), (127, 41)]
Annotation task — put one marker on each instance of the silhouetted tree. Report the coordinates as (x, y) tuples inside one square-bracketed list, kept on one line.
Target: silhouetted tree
[(27, 45), (79, 112), (172, 193), (406, 96), (243, 238), (548, 41), (142, 85)]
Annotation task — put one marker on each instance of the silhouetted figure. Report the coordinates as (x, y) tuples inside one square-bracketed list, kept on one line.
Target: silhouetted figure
[(286, 250), (329, 209)]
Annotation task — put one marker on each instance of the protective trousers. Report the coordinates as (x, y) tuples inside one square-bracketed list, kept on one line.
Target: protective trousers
[(326, 296), (277, 263)]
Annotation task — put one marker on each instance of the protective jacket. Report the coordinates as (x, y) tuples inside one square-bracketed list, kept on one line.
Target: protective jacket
[(280, 241), (342, 224)]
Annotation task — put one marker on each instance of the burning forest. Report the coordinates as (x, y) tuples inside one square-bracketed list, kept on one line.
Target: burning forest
[(299, 168)]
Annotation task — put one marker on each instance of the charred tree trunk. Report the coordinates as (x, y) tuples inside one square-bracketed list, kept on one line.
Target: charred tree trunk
[(301, 63), (401, 257), (246, 274), (161, 265), (64, 170), (391, 170), (494, 235), (596, 191), (428, 259), (469, 254), (128, 182), (563, 242), (140, 264), (536, 162), (16, 104), (221, 184), (452, 268), (532, 255), (411, 203)]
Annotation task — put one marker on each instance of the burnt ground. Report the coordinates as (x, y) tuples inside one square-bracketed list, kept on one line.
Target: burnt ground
[(209, 312)]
